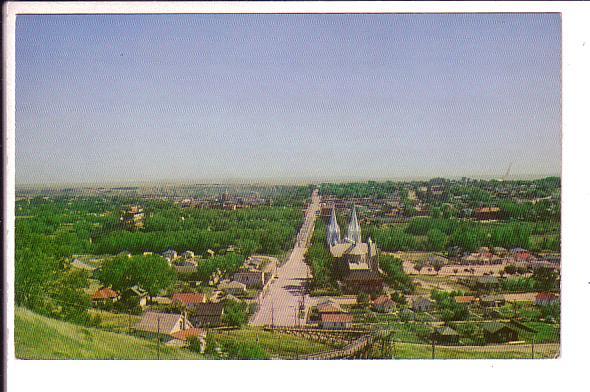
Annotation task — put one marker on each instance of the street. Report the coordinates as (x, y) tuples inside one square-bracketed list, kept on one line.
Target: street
[(280, 305)]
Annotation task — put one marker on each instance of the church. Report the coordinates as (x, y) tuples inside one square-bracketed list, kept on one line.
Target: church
[(356, 263)]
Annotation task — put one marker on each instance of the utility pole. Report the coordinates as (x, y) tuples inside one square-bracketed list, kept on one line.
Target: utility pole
[(158, 338), (432, 348), (533, 348)]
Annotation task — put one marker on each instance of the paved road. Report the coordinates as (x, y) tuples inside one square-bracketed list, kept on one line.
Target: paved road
[(280, 304)]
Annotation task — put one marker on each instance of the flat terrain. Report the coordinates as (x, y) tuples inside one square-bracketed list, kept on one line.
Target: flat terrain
[(38, 337)]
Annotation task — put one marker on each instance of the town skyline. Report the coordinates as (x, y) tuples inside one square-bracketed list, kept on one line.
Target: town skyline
[(287, 98)]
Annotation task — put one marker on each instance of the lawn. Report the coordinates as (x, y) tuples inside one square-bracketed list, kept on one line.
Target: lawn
[(423, 351), (115, 322), (274, 343), (546, 333), (38, 337)]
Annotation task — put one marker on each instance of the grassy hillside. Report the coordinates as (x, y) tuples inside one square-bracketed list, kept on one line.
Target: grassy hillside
[(38, 337), (275, 344)]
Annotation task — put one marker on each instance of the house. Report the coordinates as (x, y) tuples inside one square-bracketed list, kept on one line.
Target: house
[(189, 254), (257, 271), (383, 304), (170, 255), (465, 299), (162, 324), (181, 338), (543, 299), (363, 281), (488, 213), (445, 335), (421, 304), (251, 279), (137, 291), (207, 314), (329, 306), (233, 287), (336, 320), (499, 333), (185, 267), (105, 295), (492, 301), (188, 300)]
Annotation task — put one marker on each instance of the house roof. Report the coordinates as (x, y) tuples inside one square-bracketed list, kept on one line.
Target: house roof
[(382, 300), (495, 327), (189, 298), (138, 291), (446, 331), (189, 333), (336, 317), (464, 299), (167, 322), (329, 306), (545, 297), (105, 293), (422, 300), (362, 275), (231, 285), (208, 309), (494, 297)]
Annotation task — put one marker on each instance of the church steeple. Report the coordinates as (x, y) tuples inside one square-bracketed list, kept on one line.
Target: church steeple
[(333, 231), (354, 229)]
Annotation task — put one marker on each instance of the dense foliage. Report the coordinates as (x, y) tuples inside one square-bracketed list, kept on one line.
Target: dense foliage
[(320, 260), (395, 276), (437, 234), (50, 231), (152, 273)]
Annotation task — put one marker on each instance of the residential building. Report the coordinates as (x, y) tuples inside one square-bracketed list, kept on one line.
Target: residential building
[(499, 333), (207, 314), (162, 324), (421, 304), (543, 299), (383, 304), (188, 300), (336, 320)]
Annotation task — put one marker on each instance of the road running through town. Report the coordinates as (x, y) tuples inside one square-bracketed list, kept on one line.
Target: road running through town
[(281, 303)]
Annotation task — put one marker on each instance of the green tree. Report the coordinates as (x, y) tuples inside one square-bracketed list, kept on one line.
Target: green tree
[(235, 313)]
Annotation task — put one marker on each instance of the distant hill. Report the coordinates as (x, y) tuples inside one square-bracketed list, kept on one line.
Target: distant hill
[(39, 337)]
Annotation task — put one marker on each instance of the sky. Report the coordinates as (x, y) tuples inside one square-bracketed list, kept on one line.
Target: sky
[(139, 98)]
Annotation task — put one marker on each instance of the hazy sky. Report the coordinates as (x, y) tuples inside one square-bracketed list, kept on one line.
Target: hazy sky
[(108, 98)]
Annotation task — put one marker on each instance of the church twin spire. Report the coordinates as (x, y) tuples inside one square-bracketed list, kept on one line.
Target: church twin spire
[(333, 232), (354, 229)]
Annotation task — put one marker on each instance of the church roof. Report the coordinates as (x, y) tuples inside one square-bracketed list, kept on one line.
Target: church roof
[(354, 229)]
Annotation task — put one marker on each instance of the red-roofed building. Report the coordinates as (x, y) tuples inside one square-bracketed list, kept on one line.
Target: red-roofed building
[(336, 320), (543, 299), (181, 338), (465, 299), (104, 295), (383, 304), (188, 300)]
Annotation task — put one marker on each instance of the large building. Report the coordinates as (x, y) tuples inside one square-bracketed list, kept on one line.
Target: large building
[(356, 262)]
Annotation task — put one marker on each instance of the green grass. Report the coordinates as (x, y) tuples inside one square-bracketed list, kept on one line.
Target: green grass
[(421, 351), (38, 337), (546, 333), (274, 343), (115, 322)]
